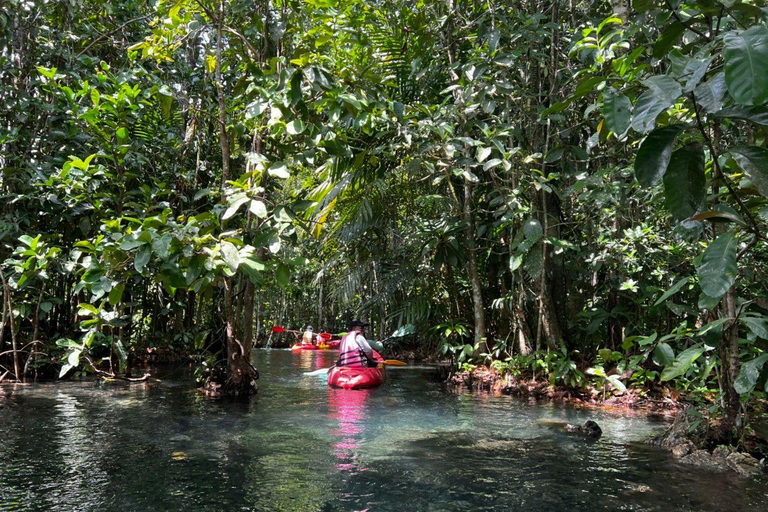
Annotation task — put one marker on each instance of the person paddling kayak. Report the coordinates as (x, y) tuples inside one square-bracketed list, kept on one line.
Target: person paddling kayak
[(309, 337), (358, 365), (354, 349)]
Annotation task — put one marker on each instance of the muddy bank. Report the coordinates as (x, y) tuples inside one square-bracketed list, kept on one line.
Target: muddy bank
[(662, 401)]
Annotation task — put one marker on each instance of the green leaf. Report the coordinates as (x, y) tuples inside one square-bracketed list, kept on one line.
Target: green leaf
[(116, 294), (617, 110), (685, 185), (663, 91), (295, 127), (230, 254), (746, 65), (515, 261), (682, 363), (283, 275), (195, 268), (64, 370), (711, 93), (616, 382), (278, 170), (258, 208), (252, 268), (749, 374), (757, 326), (717, 269), (757, 115), (533, 230), (672, 290), (483, 153), (754, 162), (663, 355), (161, 245), (707, 302), (73, 359), (654, 154), (236, 204), (128, 243), (294, 93), (721, 216), (142, 258), (669, 37)]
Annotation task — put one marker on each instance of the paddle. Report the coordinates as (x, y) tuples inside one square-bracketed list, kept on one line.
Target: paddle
[(389, 362), (277, 328)]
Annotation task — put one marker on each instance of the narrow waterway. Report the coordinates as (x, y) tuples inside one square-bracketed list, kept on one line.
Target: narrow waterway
[(298, 445)]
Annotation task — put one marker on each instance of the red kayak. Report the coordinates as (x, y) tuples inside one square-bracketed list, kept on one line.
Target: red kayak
[(356, 378), (296, 348), (329, 345)]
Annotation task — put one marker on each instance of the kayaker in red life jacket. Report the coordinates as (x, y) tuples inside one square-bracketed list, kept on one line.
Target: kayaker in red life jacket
[(354, 349)]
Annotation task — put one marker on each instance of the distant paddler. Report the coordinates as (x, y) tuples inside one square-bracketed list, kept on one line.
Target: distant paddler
[(309, 337)]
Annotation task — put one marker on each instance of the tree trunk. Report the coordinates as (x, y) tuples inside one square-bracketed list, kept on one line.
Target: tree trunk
[(241, 375), (320, 306), (478, 307), (223, 138), (14, 340), (729, 357)]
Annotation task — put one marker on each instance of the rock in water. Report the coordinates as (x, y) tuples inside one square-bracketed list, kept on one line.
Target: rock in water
[(744, 464), (592, 429)]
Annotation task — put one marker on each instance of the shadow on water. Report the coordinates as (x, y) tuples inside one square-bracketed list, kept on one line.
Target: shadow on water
[(301, 446)]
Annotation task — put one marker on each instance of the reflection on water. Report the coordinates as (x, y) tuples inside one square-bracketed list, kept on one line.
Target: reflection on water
[(302, 446)]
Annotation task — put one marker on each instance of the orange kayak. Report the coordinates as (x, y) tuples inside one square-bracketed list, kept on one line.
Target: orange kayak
[(329, 345), (356, 378)]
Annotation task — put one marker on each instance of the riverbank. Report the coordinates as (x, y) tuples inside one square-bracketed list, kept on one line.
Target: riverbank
[(663, 401), (687, 438)]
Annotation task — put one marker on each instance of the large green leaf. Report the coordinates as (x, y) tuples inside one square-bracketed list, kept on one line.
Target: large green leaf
[(711, 93), (750, 372), (669, 37), (230, 255), (757, 115), (617, 110), (161, 245), (682, 363), (654, 154), (142, 258), (717, 269), (663, 91), (283, 275), (746, 65), (756, 325), (647, 109), (663, 355), (672, 290), (754, 162), (685, 185)]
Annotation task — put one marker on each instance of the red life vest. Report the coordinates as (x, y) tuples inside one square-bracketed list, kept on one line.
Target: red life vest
[(350, 353)]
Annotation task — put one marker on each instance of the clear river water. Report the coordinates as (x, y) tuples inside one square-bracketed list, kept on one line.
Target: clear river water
[(299, 446)]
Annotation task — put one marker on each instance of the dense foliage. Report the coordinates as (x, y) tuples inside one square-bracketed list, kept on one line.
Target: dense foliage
[(574, 187)]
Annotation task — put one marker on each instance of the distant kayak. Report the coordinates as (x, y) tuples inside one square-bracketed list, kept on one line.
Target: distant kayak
[(329, 345), (356, 378), (297, 348)]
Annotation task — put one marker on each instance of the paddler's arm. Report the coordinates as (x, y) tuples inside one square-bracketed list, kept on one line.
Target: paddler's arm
[(363, 344)]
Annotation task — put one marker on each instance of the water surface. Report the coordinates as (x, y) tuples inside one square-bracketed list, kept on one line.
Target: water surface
[(298, 445)]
